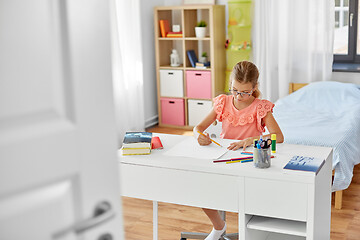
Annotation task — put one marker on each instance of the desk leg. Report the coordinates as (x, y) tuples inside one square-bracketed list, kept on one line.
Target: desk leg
[(155, 220)]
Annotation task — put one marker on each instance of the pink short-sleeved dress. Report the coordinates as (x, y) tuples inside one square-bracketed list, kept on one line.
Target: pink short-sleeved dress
[(244, 123)]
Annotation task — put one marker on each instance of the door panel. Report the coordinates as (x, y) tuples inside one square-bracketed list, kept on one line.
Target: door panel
[(52, 207), (37, 115), (58, 146)]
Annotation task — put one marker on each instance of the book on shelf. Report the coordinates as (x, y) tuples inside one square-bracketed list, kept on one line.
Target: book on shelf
[(164, 27), (175, 34), (172, 35), (200, 65), (304, 165), (192, 57)]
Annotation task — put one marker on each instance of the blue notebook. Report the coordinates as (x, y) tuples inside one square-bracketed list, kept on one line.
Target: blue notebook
[(192, 57), (302, 164)]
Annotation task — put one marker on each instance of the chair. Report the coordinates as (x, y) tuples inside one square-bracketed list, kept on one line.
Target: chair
[(214, 131)]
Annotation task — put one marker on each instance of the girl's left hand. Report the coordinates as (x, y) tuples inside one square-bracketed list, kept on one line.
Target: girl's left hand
[(243, 143)]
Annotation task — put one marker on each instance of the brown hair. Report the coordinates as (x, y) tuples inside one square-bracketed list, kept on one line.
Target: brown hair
[(246, 72)]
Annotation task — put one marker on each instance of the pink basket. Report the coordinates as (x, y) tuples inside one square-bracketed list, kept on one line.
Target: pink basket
[(198, 84), (172, 111)]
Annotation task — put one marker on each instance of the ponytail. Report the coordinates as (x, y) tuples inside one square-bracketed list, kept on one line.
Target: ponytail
[(256, 93)]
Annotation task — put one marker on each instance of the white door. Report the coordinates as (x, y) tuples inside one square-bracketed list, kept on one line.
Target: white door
[(57, 128)]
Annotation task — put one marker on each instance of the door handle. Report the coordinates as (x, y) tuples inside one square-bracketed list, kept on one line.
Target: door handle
[(103, 212)]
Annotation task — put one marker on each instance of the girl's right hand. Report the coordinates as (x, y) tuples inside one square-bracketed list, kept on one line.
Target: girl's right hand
[(203, 141)]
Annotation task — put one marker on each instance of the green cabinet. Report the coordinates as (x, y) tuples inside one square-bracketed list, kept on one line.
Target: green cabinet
[(239, 34)]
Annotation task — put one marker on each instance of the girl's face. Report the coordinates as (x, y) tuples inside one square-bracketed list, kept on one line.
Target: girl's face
[(242, 92)]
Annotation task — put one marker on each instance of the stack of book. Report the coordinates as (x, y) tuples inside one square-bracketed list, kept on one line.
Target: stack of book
[(136, 143), (174, 34), (202, 65)]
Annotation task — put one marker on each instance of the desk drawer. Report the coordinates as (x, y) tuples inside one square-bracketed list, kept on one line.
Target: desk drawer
[(181, 187), (278, 199)]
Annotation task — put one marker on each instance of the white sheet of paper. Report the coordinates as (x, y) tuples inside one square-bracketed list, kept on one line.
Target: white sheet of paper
[(191, 148), (233, 154)]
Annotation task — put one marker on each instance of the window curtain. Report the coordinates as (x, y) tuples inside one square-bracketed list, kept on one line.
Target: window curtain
[(292, 42), (127, 66)]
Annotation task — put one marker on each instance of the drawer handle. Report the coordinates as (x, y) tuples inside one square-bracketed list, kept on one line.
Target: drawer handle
[(200, 103), (197, 74), (171, 102), (170, 73)]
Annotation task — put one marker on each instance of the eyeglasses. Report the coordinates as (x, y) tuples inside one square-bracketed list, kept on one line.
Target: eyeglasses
[(242, 94)]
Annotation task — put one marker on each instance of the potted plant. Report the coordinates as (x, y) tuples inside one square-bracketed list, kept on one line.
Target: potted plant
[(203, 58), (200, 29)]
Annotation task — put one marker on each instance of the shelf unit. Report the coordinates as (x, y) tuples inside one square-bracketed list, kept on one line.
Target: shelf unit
[(187, 17)]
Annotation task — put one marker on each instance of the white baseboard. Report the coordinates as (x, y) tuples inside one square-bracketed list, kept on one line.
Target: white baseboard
[(151, 121)]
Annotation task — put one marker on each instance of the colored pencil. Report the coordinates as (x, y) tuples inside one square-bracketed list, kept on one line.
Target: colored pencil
[(236, 159), (232, 159), (242, 161), (246, 161), (210, 138), (247, 153), (243, 158)]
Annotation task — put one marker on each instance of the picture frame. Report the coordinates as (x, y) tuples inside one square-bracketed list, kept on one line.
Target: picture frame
[(193, 2)]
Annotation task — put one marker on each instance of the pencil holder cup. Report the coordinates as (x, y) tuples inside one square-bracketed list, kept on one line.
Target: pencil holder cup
[(262, 157)]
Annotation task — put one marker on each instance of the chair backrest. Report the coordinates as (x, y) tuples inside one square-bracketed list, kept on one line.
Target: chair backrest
[(214, 129)]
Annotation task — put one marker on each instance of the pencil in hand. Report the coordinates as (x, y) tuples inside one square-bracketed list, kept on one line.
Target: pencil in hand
[(209, 138)]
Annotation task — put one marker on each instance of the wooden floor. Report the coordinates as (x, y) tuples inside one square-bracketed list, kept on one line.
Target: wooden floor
[(173, 219)]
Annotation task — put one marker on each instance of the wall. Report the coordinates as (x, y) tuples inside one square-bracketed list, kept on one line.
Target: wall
[(148, 56)]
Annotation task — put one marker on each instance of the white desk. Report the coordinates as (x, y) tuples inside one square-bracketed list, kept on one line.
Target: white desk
[(271, 204)]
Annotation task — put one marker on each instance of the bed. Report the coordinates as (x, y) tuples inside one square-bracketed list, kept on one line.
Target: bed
[(325, 114)]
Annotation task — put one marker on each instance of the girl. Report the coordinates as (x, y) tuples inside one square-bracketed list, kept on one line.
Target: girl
[(243, 116)]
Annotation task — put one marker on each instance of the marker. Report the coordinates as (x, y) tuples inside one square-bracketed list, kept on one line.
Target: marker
[(247, 153), (246, 161), (273, 143), (210, 138)]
